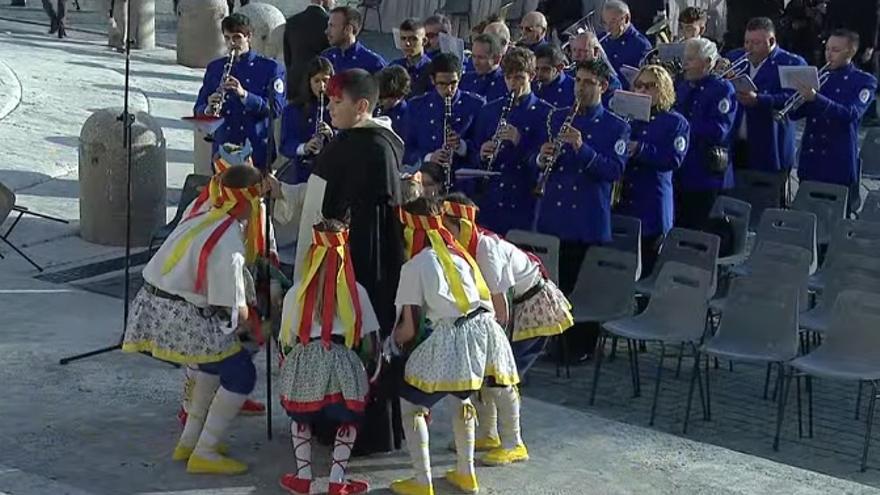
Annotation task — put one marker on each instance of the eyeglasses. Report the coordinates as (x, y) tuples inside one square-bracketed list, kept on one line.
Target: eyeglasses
[(645, 85)]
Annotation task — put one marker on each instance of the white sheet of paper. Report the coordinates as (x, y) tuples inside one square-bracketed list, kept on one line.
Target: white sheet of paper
[(743, 84), (453, 45), (629, 105), (395, 33), (629, 72), (794, 76), (470, 173), (670, 51)]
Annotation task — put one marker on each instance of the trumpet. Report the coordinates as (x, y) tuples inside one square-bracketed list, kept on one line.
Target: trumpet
[(502, 123), (734, 69), (215, 108), (796, 100), (550, 162)]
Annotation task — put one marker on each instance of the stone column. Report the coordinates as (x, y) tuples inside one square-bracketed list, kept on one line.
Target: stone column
[(103, 177), (143, 24), (199, 38), (265, 20)]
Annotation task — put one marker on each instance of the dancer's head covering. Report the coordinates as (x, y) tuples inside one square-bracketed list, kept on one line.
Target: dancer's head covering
[(328, 286), (457, 206)]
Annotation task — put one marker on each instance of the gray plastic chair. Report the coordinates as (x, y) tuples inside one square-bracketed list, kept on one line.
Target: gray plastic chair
[(762, 190), (543, 246), (760, 325), (858, 237), (797, 228), (827, 201), (676, 314), (851, 352), (626, 235), (870, 154), (691, 247), (191, 190), (739, 213), (851, 271), (8, 209), (870, 211), (605, 286)]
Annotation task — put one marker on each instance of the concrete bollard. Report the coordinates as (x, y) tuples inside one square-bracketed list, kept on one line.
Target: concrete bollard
[(103, 179), (143, 24), (265, 19), (199, 37)]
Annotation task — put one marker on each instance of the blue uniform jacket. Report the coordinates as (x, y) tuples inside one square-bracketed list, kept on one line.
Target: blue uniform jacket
[(356, 57), (490, 86), (558, 92), (420, 80), (507, 201), (830, 145), (577, 202), (297, 128), (425, 134), (709, 105), (628, 49), (537, 45), (771, 144), (248, 119), (647, 182), (399, 115)]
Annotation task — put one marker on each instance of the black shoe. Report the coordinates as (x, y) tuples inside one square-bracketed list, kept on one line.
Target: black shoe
[(61, 32), (53, 27)]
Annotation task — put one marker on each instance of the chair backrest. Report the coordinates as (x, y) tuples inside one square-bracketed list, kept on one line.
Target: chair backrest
[(782, 264), (870, 154), (853, 335), (761, 313), (852, 237), (827, 201), (690, 247), (190, 191), (851, 271), (606, 281), (456, 7), (543, 246), (762, 190), (7, 201), (871, 208), (739, 213), (626, 235), (797, 228), (681, 299)]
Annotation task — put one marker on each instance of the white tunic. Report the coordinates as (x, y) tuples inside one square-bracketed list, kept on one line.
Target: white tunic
[(422, 283), (369, 325), (504, 266)]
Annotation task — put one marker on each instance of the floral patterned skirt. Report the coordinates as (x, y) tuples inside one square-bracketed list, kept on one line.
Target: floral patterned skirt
[(458, 358), (176, 331), (323, 382), (544, 314)]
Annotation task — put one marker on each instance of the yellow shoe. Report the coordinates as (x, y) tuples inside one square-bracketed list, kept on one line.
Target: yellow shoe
[(223, 465), (501, 456), (182, 452), (464, 482), (411, 487), (486, 444)]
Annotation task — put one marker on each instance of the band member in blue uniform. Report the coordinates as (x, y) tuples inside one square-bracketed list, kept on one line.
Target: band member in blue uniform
[(506, 201), (253, 87), (762, 142), (576, 206), (624, 43), (692, 23), (486, 79), (655, 150), (830, 145), (708, 103), (393, 91), (305, 123), (414, 60), (345, 51), (534, 31), (434, 25), (554, 85), (425, 140), (585, 47)]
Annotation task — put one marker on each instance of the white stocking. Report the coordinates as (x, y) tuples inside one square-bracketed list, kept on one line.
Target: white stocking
[(188, 384), (202, 390), (507, 400), (224, 408), (415, 429), (301, 438), (487, 414), (345, 437), (463, 420)]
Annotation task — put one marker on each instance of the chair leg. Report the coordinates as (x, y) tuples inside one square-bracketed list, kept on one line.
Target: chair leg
[(708, 392), (783, 384), (869, 422), (859, 400), (678, 364), (637, 369), (21, 253), (657, 383), (730, 366), (809, 406), (716, 363), (694, 373), (799, 412), (599, 352), (613, 354), (379, 13), (767, 380), (632, 366)]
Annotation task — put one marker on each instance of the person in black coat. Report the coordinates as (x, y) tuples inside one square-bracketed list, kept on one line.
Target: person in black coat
[(740, 11), (304, 38)]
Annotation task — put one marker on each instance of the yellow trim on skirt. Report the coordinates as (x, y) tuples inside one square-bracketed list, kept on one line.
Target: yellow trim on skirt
[(461, 385), (546, 331), (176, 357)]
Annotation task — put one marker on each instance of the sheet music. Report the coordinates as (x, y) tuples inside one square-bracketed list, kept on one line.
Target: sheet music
[(794, 76), (633, 106), (743, 84), (629, 72), (669, 52), (453, 45), (395, 33)]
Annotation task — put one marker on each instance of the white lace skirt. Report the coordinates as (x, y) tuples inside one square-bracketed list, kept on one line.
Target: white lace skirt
[(176, 331), (459, 358), (545, 314)]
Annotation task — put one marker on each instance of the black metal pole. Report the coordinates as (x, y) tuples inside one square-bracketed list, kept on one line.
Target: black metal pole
[(270, 333)]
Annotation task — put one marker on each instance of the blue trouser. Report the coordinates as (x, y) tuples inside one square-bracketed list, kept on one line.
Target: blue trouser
[(526, 352), (237, 372)]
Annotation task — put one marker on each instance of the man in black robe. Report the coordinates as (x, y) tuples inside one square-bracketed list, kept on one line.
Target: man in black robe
[(356, 176)]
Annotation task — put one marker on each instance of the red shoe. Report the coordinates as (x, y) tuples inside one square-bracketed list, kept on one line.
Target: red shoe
[(252, 408), (348, 487), (296, 486), (181, 417)]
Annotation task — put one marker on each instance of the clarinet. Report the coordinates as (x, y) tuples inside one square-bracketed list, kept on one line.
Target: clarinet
[(214, 110), (447, 119), (502, 123), (550, 162)]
